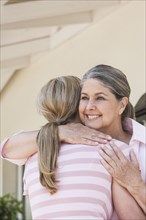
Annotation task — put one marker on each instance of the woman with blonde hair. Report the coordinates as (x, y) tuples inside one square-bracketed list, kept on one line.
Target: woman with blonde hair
[(65, 181), (58, 108)]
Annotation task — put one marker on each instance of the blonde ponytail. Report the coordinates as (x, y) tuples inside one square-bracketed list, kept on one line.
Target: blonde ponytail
[(58, 103)]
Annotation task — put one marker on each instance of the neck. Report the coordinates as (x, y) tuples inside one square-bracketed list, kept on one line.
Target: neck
[(119, 134), (124, 137)]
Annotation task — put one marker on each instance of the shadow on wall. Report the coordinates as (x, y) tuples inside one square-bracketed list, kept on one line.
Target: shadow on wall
[(140, 110)]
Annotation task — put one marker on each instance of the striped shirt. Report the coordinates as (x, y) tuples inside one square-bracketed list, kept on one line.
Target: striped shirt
[(84, 187)]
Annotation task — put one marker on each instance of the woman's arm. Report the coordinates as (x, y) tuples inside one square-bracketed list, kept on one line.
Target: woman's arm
[(77, 133), (125, 205), (20, 146), (125, 172), (23, 145)]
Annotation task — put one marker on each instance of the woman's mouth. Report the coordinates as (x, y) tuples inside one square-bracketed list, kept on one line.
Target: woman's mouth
[(92, 116)]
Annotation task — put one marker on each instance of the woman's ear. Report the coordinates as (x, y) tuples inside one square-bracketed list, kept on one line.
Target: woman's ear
[(123, 104)]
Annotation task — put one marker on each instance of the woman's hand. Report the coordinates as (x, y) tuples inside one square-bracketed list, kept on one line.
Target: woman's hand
[(125, 172), (76, 133)]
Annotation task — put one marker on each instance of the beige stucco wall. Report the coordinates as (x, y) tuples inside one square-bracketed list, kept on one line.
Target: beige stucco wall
[(118, 40)]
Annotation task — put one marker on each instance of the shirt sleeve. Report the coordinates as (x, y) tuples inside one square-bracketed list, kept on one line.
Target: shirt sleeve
[(18, 162)]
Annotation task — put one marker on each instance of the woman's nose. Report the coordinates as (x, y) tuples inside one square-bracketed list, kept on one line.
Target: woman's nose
[(91, 105)]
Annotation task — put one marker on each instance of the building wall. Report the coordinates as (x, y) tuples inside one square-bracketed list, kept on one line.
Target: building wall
[(117, 40)]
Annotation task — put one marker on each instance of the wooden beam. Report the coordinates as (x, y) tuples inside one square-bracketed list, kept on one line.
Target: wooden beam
[(19, 36), (32, 47), (8, 68), (18, 1), (5, 77), (24, 49), (65, 34), (32, 10), (75, 18), (15, 63)]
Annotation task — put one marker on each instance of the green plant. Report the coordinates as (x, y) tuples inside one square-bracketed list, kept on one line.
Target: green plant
[(10, 207)]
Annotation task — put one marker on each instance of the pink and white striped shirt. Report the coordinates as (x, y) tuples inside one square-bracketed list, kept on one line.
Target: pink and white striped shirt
[(84, 187)]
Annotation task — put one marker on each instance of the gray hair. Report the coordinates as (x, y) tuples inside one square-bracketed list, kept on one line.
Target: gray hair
[(116, 81)]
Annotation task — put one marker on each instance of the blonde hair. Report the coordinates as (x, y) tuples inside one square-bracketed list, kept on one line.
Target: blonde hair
[(58, 102)]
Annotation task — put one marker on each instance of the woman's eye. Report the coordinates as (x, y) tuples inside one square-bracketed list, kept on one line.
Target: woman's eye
[(84, 98), (100, 98)]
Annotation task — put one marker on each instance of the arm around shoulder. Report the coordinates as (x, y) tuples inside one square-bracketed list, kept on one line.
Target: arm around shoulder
[(20, 146)]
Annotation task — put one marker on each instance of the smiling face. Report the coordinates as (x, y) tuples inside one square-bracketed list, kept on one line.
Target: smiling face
[(98, 108)]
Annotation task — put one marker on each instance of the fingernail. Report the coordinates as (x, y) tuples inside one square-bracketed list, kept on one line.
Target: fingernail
[(109, 137), (105, 141)]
